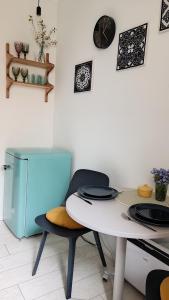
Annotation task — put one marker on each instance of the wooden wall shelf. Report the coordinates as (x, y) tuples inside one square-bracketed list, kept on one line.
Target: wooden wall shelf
[(12, 59)]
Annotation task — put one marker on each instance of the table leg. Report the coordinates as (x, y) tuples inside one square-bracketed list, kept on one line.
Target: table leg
[(119, 268)]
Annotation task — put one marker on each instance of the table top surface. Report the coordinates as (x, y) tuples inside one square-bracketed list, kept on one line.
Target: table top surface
[(107, 216)]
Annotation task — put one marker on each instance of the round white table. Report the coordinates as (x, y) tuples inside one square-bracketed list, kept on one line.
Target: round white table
[(107, 217)]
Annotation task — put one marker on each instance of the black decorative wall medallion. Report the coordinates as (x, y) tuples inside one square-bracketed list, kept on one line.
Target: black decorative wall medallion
[(164, 23), (131, 49), (83, 77)]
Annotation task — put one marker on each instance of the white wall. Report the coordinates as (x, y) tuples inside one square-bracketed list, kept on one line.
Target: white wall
[(25, 119), (120, 127)]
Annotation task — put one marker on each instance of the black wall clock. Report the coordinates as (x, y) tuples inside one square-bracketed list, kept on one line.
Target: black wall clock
[(104, 32)]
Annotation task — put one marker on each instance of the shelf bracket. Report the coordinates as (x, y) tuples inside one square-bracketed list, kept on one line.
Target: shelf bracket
[(48, 90), (9, 83)]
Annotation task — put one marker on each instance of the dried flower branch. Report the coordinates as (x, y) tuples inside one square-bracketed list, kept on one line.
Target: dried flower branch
[(42, 37)]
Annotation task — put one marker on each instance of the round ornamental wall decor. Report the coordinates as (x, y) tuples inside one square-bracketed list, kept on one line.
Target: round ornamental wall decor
[(83, 76), (104, 32)]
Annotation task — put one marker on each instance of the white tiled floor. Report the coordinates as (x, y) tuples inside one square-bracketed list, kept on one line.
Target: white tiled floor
[(16, 262)]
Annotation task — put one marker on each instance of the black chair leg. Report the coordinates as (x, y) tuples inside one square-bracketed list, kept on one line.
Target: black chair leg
[(42, 243), (71, 257), (99, 247)]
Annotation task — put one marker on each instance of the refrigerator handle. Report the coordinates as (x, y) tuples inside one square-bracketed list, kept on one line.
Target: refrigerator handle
[(5, 167)]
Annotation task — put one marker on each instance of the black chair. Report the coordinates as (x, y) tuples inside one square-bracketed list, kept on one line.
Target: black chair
[(80, 178), (153, 282)]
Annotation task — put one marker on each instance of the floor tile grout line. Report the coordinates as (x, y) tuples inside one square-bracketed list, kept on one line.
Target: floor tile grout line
[(93, 298), (17, 253), (10, 269), (35, 247), (12, 286), (31, 261), (55, 271), (6, 249), (50, 256), (42, 275), (63, 287), (20, 291), (42, 259), (33, 278)]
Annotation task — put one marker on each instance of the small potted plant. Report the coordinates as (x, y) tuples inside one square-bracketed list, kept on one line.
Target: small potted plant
[(161, 179)]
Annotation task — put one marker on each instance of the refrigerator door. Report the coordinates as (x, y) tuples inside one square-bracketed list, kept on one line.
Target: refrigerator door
[(48, 181), (15, 194), (35, 182)]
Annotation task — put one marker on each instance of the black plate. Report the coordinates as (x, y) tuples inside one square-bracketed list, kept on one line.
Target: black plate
[(97, 193), (153, 212), (95, 198), (134, 215)]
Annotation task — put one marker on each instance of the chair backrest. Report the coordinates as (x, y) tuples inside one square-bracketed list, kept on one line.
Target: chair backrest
[(86, 177)]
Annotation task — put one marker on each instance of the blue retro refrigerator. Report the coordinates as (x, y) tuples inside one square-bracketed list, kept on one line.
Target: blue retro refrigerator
[(36, 180)]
